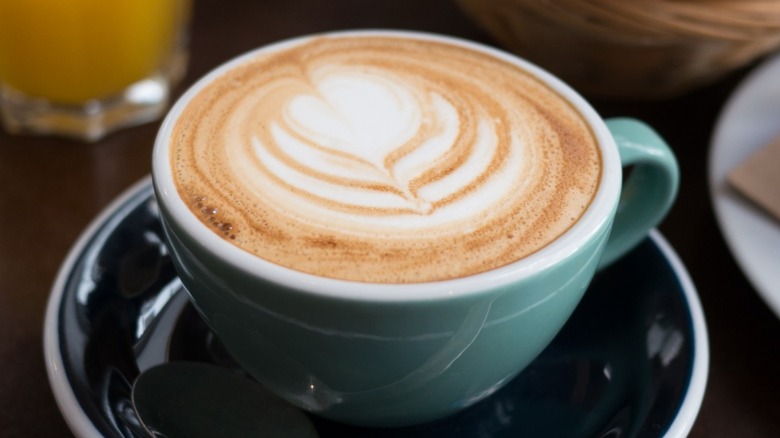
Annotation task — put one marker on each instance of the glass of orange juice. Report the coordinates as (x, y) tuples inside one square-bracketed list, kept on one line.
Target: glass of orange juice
[(84, 68)]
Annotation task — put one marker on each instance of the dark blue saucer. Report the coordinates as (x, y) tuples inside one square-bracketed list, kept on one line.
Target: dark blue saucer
[(631, 362)]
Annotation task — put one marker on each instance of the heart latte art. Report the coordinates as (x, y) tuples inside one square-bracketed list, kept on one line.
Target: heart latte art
[(384, 159)]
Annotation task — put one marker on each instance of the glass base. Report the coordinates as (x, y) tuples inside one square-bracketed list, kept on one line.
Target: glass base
[(140, 103)]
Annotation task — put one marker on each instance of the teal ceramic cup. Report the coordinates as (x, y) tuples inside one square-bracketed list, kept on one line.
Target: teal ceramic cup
[(400, 354)]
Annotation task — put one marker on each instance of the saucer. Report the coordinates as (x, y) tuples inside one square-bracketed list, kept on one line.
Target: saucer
[(631, 361), (749, 120)]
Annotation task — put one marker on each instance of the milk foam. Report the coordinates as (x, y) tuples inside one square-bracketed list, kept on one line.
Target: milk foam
[(382, 159)]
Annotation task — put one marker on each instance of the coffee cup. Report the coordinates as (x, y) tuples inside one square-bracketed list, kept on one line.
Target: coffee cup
[(384, 227)]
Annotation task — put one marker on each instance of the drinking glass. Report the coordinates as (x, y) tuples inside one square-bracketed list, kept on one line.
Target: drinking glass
[(85, 68)]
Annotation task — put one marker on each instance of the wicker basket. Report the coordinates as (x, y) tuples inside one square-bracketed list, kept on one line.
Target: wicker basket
[(633, 49)]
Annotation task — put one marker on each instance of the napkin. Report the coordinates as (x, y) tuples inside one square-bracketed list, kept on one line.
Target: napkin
[(758, 177)]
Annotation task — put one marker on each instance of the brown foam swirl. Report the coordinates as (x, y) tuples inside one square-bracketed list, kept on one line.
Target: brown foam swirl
[(384, 159)]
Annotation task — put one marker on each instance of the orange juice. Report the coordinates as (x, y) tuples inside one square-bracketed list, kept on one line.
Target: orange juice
[(71, 51)]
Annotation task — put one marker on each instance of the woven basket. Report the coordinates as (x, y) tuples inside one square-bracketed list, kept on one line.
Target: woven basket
[(633, 49)]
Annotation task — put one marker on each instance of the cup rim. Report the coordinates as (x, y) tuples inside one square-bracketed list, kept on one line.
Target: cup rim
[(597, 216)]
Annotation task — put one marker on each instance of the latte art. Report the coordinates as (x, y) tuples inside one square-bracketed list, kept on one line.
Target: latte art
[(384, 159)]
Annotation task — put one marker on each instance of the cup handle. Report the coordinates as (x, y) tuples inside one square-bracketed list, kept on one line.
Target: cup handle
[(649, 190)]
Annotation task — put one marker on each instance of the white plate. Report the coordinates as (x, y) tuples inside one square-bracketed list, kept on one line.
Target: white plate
[(749, 120)]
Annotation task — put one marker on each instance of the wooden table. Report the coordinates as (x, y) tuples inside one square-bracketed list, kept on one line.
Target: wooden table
[(51, 188)]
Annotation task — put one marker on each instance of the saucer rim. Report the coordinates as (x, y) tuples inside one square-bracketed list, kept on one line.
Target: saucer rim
[(691, 402), (82, 426), (77, 419)]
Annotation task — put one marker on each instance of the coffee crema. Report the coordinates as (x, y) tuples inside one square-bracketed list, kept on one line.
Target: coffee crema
[(384, 159)]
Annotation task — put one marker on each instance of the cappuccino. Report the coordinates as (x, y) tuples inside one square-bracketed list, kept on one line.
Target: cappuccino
[(384, 159)]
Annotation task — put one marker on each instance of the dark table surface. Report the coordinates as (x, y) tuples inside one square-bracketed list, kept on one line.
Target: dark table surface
[(51, 188)]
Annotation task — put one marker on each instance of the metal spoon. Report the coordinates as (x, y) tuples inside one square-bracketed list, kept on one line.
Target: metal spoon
[(195, 399)]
